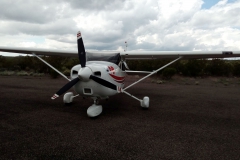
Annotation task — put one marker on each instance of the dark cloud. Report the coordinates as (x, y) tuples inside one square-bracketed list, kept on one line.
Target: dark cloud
[(29, 11), (59, 27), (97, 5)]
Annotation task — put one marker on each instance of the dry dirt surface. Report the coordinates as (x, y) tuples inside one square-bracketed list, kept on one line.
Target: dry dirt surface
[(187, 119)]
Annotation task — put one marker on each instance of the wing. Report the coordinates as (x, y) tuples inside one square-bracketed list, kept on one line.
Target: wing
[(52, 52), (48, 52), (129, 54), (176, 54)]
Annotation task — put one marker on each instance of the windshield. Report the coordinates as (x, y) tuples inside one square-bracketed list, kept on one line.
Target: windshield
[(109, 57)]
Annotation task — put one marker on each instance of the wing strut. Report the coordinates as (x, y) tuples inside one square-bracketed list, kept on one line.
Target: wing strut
[(145, 101), (51, 66), (152, 73)]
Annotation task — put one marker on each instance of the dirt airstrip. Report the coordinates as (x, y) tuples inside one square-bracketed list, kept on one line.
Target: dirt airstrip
[(187, 119)]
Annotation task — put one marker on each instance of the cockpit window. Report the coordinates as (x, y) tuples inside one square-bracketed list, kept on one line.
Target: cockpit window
[(109, 57)]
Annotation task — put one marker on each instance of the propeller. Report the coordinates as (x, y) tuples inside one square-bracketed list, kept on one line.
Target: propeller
[(65, 88), (85, 73), (103, 82), (82, 59), (123, 65)]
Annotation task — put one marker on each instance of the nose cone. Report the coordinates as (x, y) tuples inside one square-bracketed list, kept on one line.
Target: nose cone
[(84, 73)]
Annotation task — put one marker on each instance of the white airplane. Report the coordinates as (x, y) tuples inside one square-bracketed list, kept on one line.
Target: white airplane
[(102, 74)]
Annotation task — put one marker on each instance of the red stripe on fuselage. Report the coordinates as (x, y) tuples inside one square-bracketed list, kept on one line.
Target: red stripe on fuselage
[(117, 79)]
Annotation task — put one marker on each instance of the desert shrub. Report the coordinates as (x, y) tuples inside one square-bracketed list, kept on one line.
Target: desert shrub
[(72, 62), (58, 63), (193, 67), (38, 74), (236, 69), (22, 73), (66, 72), (53, 74), (177, 65), (196, 67), (181, 67), (227, 69), (217, 67), (146, 65), (2, 61), (23, 62), (7, 73), (168, 73)]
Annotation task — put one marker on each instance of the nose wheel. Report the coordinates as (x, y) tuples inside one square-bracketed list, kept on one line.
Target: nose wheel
[(95, 109)]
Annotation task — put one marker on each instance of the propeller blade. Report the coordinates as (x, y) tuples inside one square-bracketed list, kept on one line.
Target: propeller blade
[(81, 50), (65, 88), (103, 82), (125, 65)]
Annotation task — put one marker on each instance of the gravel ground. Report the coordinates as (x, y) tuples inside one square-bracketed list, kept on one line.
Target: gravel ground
[(187, 119)]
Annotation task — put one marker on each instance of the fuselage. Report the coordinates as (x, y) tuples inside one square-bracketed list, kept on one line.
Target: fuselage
[(104, 70)]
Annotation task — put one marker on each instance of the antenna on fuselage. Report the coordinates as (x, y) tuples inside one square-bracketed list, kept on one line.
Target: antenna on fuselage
[(126, 45), (123, 65)]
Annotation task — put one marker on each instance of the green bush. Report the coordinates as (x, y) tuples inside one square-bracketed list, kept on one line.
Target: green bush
[(53, 74), (7, 73), (236, 69), (218, 67), (168, 73), (192, 68), (215, 67), (196, 67), (66, 72), (38, 74), (22, 73)]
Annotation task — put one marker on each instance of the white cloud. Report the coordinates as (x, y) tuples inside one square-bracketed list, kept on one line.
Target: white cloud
[(146, 25)]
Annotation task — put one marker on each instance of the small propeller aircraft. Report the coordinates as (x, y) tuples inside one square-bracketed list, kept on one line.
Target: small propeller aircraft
[(101, 74)]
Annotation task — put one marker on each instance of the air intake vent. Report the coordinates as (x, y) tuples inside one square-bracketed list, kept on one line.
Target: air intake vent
[(97, 73), (74, 72), (87, 91)]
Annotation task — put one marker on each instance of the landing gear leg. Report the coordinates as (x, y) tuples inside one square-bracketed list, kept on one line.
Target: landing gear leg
[(95, 109), (144, 102)]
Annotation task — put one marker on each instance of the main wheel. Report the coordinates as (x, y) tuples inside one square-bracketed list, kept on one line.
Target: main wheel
[(68, 98), (145, 102), (94, 110)]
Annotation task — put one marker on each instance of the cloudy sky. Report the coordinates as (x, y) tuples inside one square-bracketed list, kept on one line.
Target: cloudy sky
[(106, 25)]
